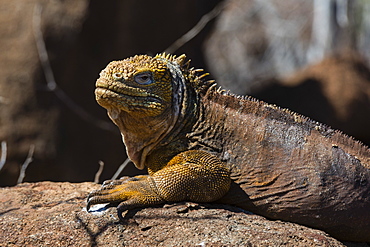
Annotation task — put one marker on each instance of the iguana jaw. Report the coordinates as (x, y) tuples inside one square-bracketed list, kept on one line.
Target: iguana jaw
[(127, 98)]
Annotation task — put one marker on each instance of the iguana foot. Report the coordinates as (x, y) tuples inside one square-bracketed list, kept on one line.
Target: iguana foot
[(190, 176), (129, 192)]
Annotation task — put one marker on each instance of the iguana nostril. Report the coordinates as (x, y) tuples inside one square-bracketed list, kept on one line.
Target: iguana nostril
[(117, 76)]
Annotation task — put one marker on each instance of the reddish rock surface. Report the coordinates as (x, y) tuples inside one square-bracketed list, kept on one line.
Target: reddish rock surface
[(53, 214)]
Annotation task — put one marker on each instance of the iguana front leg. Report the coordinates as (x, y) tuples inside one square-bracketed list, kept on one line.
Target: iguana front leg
[(192, 175)]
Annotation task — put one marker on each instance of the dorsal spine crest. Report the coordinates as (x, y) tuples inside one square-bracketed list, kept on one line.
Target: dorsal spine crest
[(192, 76)]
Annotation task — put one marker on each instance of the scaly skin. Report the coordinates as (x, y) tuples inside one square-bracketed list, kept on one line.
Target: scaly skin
[(202, 144), (138, 95)]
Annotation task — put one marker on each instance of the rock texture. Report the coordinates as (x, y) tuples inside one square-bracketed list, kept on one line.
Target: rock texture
[(53, 214)]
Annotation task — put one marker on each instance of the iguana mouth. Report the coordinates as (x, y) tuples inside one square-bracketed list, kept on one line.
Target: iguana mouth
[(125, 96)]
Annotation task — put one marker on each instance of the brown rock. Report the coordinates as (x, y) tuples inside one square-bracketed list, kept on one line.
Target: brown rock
[(53, 214)]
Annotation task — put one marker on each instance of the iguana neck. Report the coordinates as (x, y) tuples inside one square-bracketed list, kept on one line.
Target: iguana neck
[(176, 140), (139, 135)]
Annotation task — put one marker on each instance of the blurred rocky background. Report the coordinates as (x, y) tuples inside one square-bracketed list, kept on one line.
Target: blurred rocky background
[(310, 56)]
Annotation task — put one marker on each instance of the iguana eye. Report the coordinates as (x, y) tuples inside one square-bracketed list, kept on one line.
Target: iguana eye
[(144, 78)]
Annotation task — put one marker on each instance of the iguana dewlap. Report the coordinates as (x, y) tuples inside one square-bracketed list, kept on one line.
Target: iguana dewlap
[(202, 144)]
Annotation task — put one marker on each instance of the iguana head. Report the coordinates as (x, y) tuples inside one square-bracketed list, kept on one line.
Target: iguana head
[(144, 97)]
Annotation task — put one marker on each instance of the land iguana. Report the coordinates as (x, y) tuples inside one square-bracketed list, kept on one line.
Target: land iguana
[(201, 143)]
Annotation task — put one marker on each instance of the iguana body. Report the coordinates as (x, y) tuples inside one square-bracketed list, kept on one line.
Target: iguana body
[(202, 144)]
